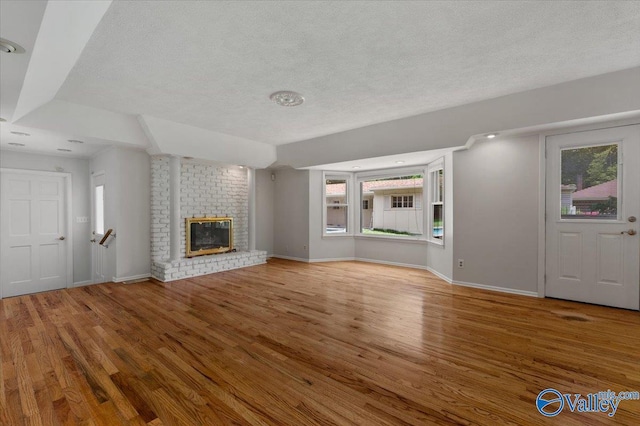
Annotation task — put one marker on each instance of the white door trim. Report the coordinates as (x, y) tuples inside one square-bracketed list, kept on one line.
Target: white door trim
[(68, 212), (542, 192)]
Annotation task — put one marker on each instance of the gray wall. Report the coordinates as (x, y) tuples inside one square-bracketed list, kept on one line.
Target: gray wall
[(265, 193), (399, 252), (80, 202), (127, 210), (496, 213), (291, 224), (134, 222)]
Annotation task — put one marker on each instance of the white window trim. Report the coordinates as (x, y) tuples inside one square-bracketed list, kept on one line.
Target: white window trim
[(349, 204), (381, 174), (434, 167)]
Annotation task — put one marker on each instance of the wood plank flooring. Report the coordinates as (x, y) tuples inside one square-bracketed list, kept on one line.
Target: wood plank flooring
[(290, 343)]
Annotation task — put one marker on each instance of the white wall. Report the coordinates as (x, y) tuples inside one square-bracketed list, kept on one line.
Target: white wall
[(265, 215), (80, 202), (496, 213), (127, 210), (291, 224), (440, 257)]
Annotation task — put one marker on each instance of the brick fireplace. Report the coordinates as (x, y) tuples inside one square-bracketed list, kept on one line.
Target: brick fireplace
[(205, 190)]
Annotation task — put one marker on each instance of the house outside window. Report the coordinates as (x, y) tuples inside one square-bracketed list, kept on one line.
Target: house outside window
[(391, 204)]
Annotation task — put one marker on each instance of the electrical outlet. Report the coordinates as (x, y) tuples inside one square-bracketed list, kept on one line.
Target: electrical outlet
[(305, 248), (460, 263)]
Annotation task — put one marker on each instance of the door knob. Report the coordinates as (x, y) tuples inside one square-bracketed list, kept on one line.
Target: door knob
[(632, 219), (61, 238), (630, 232)]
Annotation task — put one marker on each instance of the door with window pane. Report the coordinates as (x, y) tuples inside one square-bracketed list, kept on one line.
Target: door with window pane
[(592, 206), (98, 252)]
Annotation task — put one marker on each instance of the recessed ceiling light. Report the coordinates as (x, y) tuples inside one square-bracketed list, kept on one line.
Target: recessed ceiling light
[(64, 150), (287, 98), (491, 135), (355, 167), (242, 167), (16, 144), (400, 162), (7, 46), (74, 141), (20, 134)]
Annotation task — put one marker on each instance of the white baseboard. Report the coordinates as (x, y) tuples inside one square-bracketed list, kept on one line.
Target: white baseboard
[(131, 278), (333, 259), (297, 259), (82, 283), (439, 275), (350, 259), (385, 262), (499, 289)]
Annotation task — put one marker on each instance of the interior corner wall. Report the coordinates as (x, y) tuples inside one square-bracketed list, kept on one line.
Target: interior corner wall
[(440, 257), (496, 213), (291, 222), (80, 202), (265, 193)]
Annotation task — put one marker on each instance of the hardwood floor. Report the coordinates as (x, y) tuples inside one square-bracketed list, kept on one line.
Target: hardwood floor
[(307, 344)]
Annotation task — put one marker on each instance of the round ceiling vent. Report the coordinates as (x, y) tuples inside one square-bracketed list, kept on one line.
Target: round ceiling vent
[(287, 98), (7, 46)]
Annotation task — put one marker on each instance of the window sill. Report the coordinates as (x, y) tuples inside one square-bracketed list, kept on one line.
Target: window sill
[(436, 242), (337, 235), (389, 238)]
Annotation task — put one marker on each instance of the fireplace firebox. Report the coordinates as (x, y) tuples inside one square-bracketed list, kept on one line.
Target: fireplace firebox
[(209, 235)]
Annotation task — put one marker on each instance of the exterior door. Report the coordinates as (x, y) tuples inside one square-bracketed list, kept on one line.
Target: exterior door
[(98, 252), (33, 239), (592, 212)]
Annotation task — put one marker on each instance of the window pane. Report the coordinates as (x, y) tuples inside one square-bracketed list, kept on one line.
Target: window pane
[(437, 231), (99, 208), (392, 206), (336, 200), (589, 188), (440, 183), (336, 220)]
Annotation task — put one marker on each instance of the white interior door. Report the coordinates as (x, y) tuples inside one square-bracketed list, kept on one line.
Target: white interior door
[(98, 252), (33, 239), (592, 207)]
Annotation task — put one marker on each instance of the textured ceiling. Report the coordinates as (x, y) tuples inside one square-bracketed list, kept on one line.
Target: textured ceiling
[(214, 64)]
